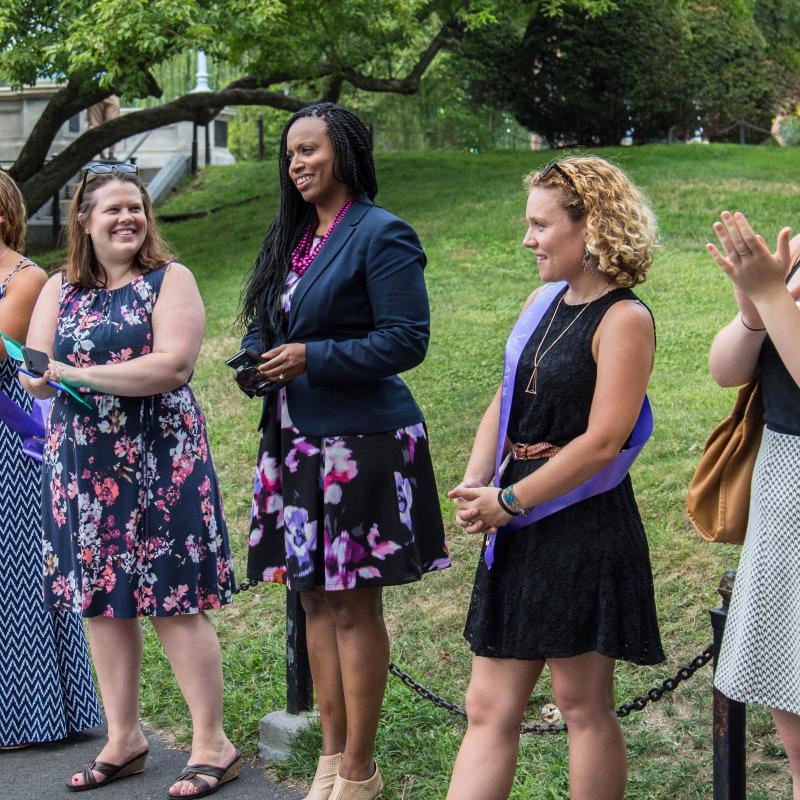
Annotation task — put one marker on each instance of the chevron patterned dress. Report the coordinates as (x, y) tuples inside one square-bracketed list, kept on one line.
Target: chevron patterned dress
[(46, 686)]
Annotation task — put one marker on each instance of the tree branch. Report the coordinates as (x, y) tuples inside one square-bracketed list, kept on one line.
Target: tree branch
[(409, 84), (199, 107), (65, 103)]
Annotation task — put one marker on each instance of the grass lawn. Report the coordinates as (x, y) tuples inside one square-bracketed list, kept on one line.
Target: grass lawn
[(468, 211)]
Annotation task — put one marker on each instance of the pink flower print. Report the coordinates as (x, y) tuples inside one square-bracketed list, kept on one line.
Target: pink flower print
[(268, 475), (107, 491), (72, 486), (107, 611), (108, 578), (124, 355), (177, 600), (223, 569), (405, 498), (340, 467), (381, 550), (127, 448), (62, 587), (145, 599), (208, 601), (340, 555)]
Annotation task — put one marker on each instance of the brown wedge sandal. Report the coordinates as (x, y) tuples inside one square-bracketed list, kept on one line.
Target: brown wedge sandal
[(192, 773), (113, 772)]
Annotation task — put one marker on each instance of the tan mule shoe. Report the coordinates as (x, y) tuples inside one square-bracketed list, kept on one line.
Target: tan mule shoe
[(357, 790), (324, 777)]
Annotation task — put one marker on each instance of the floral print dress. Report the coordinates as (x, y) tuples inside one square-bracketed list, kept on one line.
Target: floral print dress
[(133, 519), (343, 512)]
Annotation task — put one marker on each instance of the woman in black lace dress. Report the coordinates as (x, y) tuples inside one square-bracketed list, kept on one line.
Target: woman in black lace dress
[(573, 589)]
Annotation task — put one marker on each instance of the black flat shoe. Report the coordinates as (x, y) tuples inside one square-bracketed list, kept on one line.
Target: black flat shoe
[(113, 772)]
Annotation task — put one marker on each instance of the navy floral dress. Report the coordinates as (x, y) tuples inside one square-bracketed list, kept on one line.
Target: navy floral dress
[(343, 512), (133, 519)]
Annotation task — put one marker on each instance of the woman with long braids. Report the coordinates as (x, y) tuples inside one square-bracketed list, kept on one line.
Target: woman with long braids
[(345, 500)]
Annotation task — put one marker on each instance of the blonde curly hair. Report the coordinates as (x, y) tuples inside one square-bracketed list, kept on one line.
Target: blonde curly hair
[(620, 227)]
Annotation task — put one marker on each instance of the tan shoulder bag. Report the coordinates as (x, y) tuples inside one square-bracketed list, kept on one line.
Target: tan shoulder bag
[(718, 501)]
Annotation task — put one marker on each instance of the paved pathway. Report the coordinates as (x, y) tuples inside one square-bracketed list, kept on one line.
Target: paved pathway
[(40, 772)]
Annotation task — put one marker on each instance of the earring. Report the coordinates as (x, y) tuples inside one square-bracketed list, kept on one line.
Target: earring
[(586, 261)]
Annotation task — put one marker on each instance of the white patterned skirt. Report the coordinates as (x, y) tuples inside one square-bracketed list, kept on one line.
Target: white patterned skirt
[(760, 657)]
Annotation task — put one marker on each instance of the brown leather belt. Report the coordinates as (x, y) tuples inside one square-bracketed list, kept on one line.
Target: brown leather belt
[(528, 452)]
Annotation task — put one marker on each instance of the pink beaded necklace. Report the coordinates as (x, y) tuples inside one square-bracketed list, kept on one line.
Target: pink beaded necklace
[(304, 254)]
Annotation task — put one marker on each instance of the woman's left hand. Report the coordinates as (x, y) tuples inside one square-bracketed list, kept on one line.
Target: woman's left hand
[(284, 363), (70, 376), (747, 260), (483, 500)]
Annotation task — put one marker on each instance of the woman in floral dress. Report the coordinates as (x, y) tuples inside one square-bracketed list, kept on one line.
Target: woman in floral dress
[(345, 500), (134, 525)]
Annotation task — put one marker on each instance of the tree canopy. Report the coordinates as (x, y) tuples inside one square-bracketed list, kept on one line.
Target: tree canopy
[(654, 66), (287, 52)]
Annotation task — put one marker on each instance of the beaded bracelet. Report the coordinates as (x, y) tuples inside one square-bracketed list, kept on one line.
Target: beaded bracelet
[(755, 330), (509, 503)]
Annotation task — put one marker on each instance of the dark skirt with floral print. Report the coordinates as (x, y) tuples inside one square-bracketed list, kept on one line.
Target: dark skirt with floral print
[(343, 512)]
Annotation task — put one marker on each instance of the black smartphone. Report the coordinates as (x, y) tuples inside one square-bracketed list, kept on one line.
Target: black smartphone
[(36, 361), (249, 379)]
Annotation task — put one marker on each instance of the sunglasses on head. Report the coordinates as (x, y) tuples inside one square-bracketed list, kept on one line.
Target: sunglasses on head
[(101, 168), (554, 166)]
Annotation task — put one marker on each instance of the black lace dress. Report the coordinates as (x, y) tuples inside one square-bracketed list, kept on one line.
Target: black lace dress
[(579, 580)]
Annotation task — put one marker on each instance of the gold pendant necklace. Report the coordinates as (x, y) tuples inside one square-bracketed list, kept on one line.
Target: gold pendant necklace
[(531, 388)]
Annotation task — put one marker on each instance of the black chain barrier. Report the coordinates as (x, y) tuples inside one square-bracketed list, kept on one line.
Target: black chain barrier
[(637, 704), (245, 585)]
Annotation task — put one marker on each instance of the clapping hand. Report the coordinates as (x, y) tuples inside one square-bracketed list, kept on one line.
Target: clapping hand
[(754, 271)]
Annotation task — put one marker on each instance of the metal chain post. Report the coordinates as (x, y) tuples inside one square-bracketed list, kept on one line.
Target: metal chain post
[(730, 770)]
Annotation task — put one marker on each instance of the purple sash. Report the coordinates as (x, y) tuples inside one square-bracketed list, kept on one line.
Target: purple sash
[(29, 426), (610, 476)]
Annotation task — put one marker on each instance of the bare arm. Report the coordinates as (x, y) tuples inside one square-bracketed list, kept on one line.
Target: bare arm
[(733, 357), (41, 333), (758, 278), (178, 325), (18, 303)]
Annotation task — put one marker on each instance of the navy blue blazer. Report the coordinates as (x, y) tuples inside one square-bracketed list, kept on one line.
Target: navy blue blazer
[(362, 311)]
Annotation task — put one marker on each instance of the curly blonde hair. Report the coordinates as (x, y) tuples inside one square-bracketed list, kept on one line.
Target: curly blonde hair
[(620, 227)]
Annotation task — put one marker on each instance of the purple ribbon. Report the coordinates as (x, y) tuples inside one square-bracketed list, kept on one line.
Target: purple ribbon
[(610, 476), (30, 427)]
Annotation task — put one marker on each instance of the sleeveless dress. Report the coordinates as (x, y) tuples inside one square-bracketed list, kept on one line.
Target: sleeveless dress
[(134, 524), (47, 686), (759, 661), (343, 512), (579, 580)]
